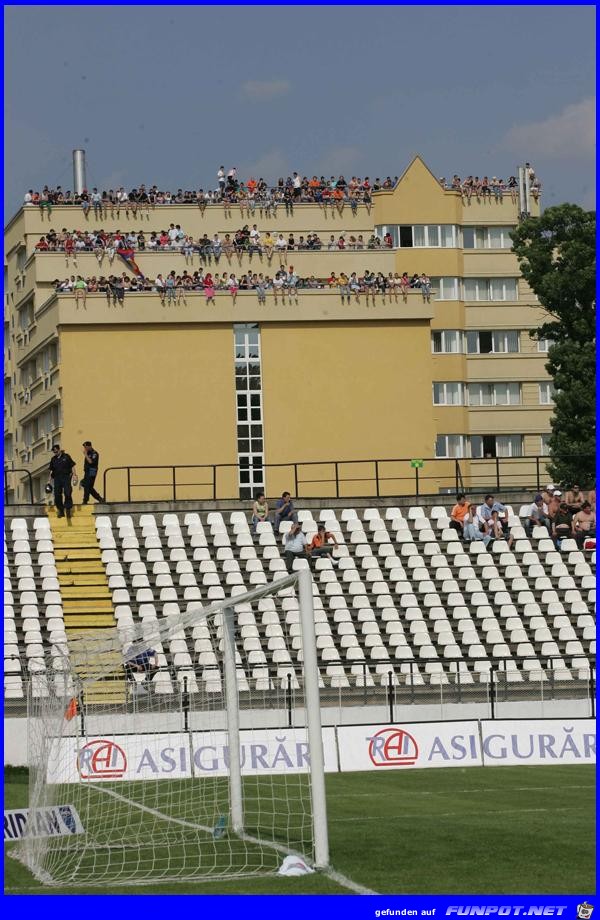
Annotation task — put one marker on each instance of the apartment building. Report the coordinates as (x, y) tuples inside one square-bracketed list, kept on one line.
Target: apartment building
[(233, 394)]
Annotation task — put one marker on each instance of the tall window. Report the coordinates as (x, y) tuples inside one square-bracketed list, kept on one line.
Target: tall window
[(447, 288), (421, 236), (545, 445), (546, 393), (248, 385), (543, 345)]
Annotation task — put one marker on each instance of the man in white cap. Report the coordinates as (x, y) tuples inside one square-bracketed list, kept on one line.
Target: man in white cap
[(547, 493)]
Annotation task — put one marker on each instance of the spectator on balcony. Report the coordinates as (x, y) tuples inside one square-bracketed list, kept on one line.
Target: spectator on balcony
[(537, 516), (459, 513), (261, 289), (284, 510), (80, 288), (344, 286), (575, 499), (369, 286), (562, 524), (425, 285), (387, 240), (233, 287), (354, 285), (290, 283), (405, 286), (279, 286), (584, 524), (209, 288)]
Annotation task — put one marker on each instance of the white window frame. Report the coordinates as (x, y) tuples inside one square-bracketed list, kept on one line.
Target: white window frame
[(543, 346), (547, 391), (254, 481), (484, 290), (444, 390), (506, 240), (544, 445), (495, 391), (448, 287), (461, 443), (444, 333)]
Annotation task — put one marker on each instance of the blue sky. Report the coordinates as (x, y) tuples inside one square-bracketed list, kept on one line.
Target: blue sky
[(167, 94)]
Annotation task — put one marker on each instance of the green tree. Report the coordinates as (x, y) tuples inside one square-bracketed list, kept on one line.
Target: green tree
[(557, 256)]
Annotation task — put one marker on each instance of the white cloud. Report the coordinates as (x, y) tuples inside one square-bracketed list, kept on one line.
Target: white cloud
[(264, 90), (571, 133)]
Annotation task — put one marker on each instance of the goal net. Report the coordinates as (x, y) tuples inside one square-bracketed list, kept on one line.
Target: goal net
[(210, 766)]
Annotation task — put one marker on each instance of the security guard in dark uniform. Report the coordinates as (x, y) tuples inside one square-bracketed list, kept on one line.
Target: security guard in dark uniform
[(91, 461), (61, 472)]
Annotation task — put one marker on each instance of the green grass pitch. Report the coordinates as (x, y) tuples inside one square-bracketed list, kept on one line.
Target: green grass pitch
[(477, 830)]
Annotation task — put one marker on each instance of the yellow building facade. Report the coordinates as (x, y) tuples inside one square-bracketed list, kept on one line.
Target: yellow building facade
[(195, 400)]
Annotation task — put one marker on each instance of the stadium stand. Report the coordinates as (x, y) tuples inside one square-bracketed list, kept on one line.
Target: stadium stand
[(405, 602)]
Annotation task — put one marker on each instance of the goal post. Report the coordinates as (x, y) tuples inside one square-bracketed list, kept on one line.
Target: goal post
[(213, 767)]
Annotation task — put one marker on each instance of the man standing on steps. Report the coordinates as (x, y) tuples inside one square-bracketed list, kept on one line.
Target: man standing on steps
[(91, 461), (61, 468)]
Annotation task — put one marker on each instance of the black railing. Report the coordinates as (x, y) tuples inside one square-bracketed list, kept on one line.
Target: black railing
[(324, 478), (8, 489)]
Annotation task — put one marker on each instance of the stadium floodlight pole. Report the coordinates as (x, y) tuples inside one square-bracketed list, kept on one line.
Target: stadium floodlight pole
[(313, 719), (233, 721)]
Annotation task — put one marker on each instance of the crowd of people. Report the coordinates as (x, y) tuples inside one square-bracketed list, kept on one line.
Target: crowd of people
[(285, 284), (247, 240), (572, 515), (257, 195)]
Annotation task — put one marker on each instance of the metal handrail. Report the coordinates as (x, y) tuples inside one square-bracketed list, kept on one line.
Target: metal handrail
[(490, 479)]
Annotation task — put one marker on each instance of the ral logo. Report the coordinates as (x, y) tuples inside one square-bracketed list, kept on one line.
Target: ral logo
[(584, 911), (393, 747), (101, 759)]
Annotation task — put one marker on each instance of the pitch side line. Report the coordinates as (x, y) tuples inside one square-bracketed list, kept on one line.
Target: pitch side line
[(370, 795), (462, 814)]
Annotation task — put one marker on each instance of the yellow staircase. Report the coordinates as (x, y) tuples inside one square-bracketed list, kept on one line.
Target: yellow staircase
[(86, 599)]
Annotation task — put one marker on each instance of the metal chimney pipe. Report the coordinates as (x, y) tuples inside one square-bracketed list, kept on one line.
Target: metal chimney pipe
[(522, 207), (79, 179)]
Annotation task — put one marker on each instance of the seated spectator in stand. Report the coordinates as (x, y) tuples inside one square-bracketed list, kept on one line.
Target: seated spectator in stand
[(320, 546), (499, 528), (459, 513), (562, 524), (295, 545), (143, 662), (584, 524), (284, 510), (537, 516), (554, 504), (547, 493), (475, 528), (575, 499), (592, 497), (260, 510)]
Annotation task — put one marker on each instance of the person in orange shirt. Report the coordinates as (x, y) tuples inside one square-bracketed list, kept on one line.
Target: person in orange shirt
[(320, 546), (459, 513), (251, 185)]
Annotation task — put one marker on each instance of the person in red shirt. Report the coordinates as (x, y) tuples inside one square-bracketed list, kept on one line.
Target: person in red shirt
[(320, 545)]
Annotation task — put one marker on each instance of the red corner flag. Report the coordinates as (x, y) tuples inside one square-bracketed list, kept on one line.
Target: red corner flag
[(71, 710)]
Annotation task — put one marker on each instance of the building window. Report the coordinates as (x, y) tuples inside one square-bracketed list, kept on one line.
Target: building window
[(451, 445), (26, 315), (547, 392), (447, 288), (447, 342), (494, 394), (487, 237), (421, 236), (496, 445), (496, 289), (545, 445), (543, 345), (485, 342), (248, 385), (448, 394)]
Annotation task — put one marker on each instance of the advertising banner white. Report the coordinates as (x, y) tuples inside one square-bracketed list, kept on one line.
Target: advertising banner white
[(54, 821), (401, 747), (179, 756), (539, 742)]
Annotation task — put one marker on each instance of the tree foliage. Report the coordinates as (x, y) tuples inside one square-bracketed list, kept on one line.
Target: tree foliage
[(557, 256)]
